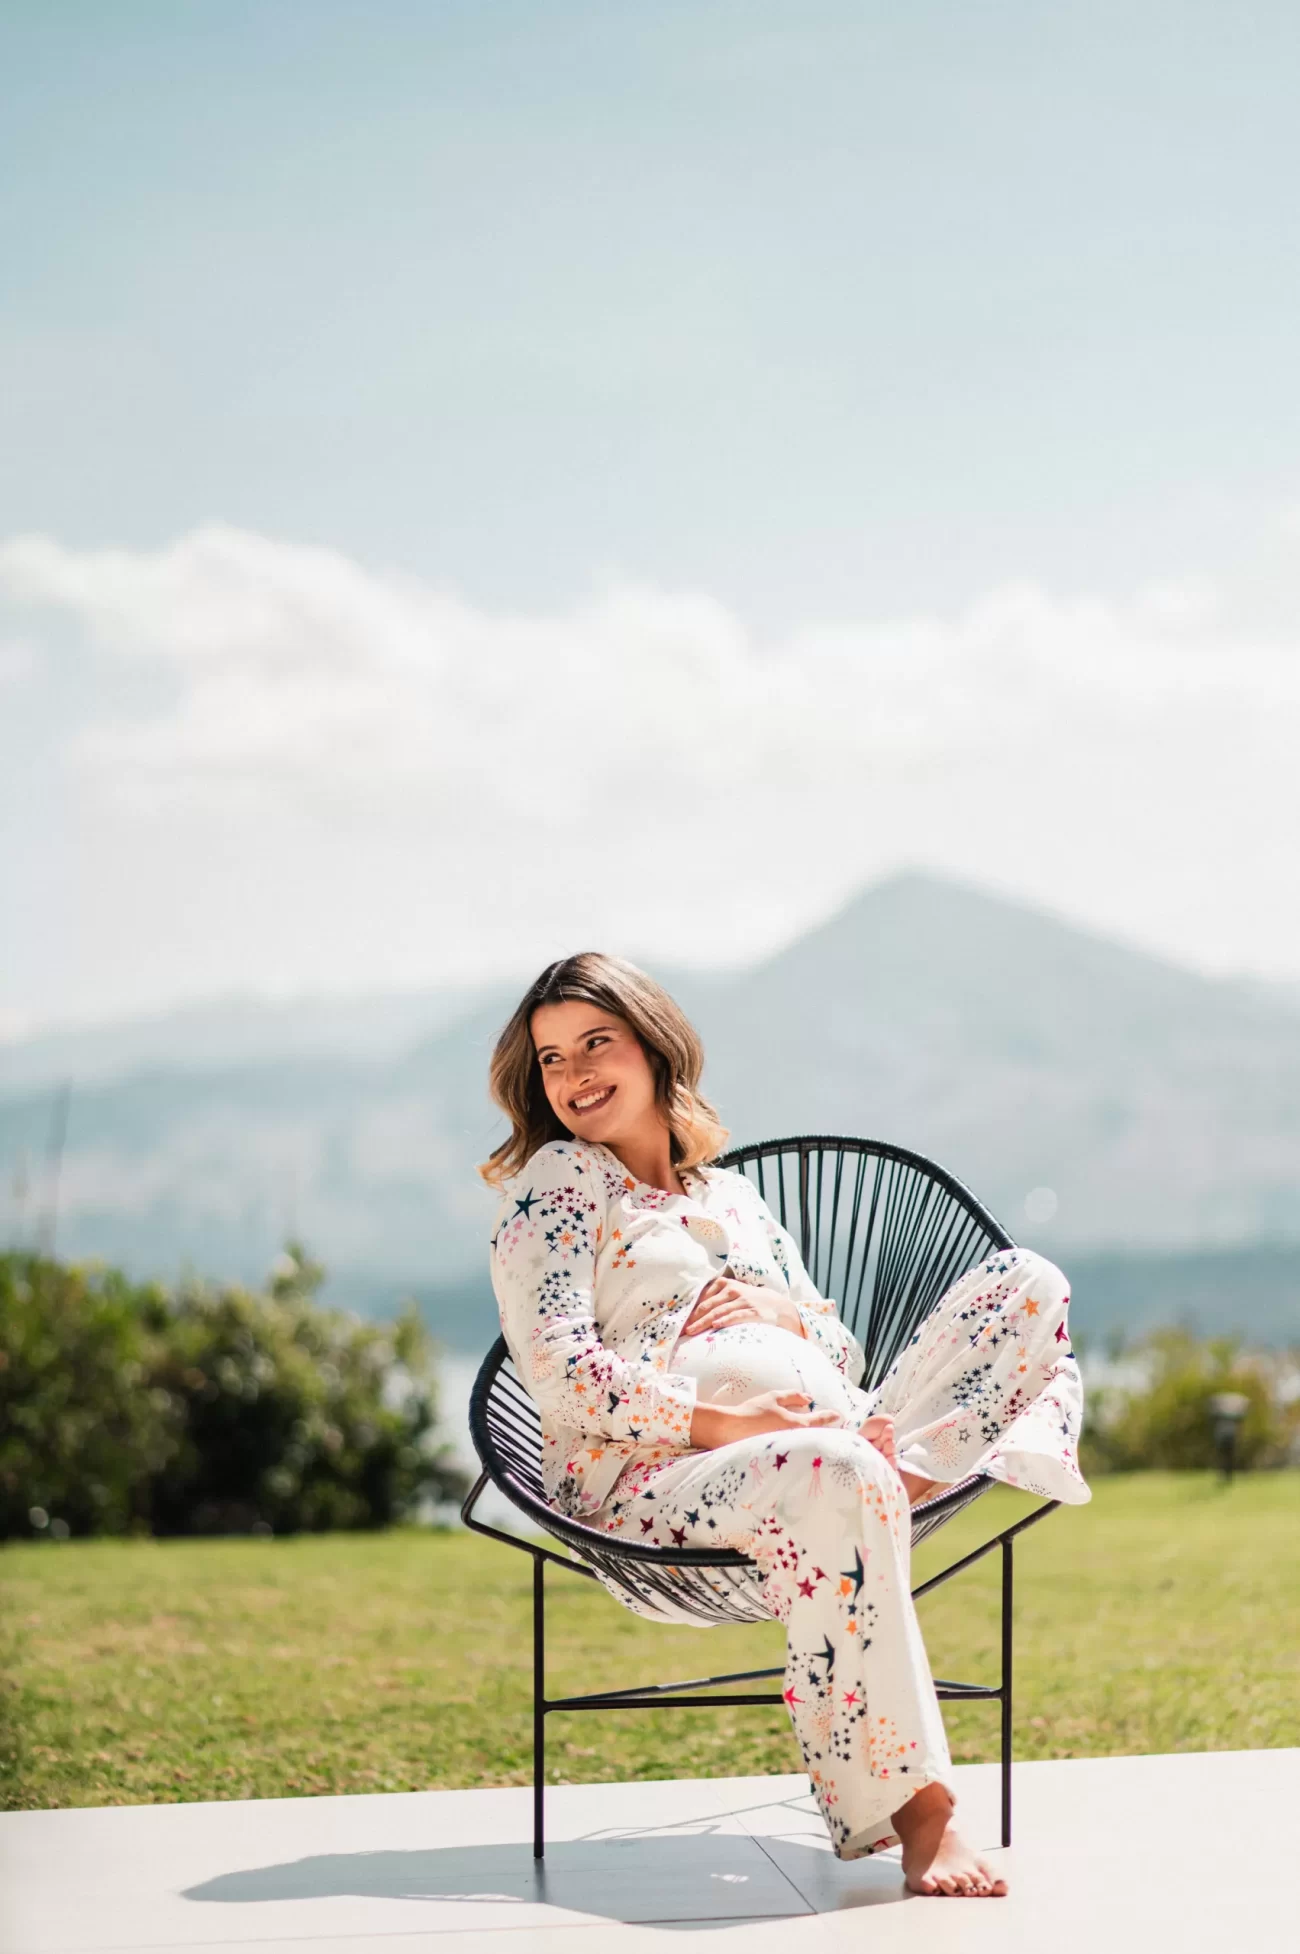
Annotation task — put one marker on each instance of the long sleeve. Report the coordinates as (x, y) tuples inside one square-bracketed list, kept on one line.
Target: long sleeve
[(543, 1266), (817, 1313)]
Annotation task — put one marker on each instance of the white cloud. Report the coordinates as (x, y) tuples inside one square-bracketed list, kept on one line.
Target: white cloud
[(323, 776), (17, 660)]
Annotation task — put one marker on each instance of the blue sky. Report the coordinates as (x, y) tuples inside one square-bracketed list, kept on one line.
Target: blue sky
[(829, 316)]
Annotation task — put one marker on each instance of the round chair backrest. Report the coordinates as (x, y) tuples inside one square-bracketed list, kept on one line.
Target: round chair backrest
[(883, 1232)]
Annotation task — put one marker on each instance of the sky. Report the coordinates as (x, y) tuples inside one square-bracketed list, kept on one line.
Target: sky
[(478, 482)]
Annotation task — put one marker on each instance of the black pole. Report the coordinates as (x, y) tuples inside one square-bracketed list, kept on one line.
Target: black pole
[(1008, 1546), (539, 1705)]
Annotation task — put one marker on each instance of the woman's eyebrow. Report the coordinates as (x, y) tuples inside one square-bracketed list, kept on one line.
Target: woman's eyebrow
[(581, 1035)]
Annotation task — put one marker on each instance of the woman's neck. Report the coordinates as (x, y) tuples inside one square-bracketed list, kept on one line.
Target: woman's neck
[(648, 1158)]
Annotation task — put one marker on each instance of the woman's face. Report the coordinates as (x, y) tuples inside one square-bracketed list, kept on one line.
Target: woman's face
[(595, 1071)]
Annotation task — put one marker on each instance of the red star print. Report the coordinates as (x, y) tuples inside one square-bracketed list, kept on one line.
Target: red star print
[(789, 1696), (850, 1698), (780, 1460), (679, 1535), (1060, 1333), (806, 1587), (647, 1526)]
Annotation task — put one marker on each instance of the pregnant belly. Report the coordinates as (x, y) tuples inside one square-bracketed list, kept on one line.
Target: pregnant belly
[(748, 1358)]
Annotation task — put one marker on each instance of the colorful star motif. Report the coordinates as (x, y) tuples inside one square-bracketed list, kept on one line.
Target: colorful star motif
[(854, 1575)]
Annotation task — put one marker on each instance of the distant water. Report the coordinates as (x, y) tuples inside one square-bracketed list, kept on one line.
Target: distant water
[(456, 1374)]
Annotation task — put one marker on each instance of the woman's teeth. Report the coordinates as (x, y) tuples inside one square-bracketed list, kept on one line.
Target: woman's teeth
[(589, 1104)]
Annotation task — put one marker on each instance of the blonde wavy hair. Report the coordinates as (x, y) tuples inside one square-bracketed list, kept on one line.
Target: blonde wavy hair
[(668, 1039)]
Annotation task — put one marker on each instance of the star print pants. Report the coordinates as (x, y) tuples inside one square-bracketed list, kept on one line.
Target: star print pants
[(988, 1384)]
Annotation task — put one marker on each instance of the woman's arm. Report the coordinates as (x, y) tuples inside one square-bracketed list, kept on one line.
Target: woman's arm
[(543, 1273)]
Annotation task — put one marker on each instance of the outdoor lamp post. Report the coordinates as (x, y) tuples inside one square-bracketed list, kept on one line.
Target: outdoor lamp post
[(1227, 1408)]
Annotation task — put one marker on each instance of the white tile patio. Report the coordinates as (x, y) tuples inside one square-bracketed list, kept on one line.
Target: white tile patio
[(1159, 1854)]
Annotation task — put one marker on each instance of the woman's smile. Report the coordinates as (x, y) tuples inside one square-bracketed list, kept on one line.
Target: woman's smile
[(592, 1099)]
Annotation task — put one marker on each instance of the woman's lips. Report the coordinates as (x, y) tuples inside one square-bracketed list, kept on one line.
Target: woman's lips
[(596, 1104)]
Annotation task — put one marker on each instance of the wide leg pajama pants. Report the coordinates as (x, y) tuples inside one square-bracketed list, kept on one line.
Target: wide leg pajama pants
[(989, 1384)]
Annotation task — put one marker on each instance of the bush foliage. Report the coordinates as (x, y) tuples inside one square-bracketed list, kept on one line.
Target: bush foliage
[(1167, 1421), (129, 1408)]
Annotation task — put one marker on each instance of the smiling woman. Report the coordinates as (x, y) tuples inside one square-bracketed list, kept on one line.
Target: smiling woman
[(694, 1388), (597, 1048)]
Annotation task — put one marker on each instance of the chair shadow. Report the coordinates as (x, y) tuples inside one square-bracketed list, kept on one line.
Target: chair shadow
[(701, 1878)]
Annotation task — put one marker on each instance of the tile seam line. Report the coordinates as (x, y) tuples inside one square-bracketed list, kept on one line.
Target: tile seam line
[(412, 1933), (808, 1902), (173, 1946)]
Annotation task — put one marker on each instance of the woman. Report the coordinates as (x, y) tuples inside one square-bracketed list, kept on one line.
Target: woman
[(695, 1390)]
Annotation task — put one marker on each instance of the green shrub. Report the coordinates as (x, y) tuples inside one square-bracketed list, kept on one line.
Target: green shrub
[(83, 1427), (1169, 1424), (125, 1408)]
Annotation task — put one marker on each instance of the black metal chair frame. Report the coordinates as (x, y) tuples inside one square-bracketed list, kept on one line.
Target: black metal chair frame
[(923, 1228)]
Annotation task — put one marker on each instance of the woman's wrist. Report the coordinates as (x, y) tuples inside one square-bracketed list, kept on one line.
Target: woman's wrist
[(708, 1426)]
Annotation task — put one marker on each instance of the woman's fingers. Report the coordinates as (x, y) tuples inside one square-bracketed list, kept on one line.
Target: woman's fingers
[(717, 1294), (719, 1317), (797, 1408)]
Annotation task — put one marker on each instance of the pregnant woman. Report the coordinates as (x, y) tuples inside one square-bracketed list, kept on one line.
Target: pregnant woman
[(695, 1389)]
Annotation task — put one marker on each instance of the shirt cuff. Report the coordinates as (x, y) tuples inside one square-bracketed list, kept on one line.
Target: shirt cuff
[(676, 1399), (826, 1332)]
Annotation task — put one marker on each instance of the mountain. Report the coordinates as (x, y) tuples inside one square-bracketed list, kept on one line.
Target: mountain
[(236, 1031), (1162, 1107), (1160, 1111)]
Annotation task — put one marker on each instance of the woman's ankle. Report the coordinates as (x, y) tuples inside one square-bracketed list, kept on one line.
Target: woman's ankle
[(932, 1804)]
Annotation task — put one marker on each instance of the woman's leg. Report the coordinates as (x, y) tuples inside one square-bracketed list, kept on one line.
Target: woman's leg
[(827, 1520), (990, 1384)]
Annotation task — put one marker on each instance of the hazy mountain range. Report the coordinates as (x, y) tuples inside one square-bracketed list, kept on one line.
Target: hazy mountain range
[(1154, 1112)]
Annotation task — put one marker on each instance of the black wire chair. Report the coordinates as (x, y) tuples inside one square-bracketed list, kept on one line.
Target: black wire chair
[(885, 1232)]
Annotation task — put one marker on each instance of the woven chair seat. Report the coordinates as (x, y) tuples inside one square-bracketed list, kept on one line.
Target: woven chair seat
[(881, 1229)]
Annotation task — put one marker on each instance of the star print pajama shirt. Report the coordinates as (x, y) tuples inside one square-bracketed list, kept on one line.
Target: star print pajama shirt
[(595, 1274)]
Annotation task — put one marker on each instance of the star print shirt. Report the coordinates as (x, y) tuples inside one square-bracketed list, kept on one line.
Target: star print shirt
[(595, 1273)]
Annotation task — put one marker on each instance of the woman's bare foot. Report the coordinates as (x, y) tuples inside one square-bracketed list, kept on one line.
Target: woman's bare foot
[(879, 1431), (936, 1859)]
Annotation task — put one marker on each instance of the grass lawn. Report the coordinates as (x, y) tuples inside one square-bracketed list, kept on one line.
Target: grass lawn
[(1162, 1617)]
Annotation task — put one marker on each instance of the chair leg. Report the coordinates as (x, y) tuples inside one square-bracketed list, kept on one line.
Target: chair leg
[(1008, 1621), (539, 1701)]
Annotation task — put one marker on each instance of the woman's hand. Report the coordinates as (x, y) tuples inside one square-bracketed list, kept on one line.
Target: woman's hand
[(778, 1411), (724, 1301), (775, 1411)]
